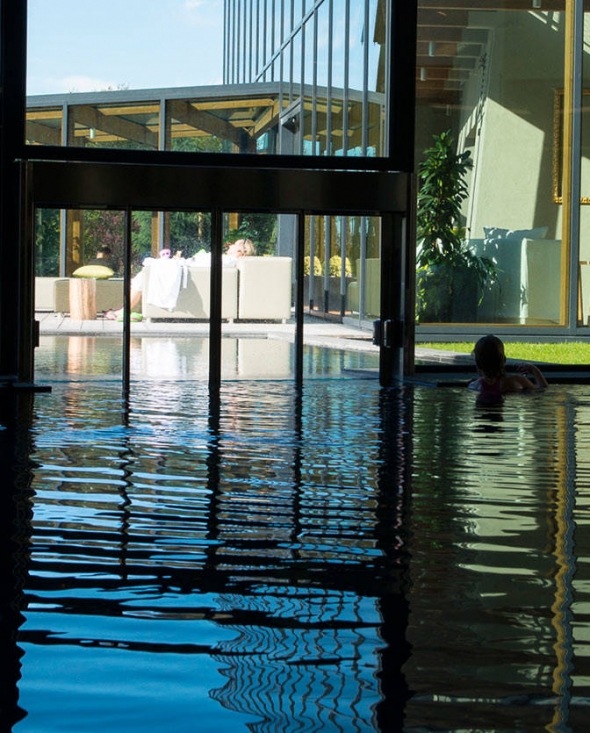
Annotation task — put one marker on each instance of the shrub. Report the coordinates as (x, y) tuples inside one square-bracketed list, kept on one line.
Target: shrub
[(336, 264), (317, 265)]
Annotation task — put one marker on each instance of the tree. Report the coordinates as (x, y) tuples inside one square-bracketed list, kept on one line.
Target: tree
[(261, 229), (47, 243)]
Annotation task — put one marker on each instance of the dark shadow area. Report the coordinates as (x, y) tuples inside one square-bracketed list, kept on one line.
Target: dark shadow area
[(16, 510)]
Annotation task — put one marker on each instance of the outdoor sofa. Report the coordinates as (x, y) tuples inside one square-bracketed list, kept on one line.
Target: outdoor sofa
[(255, 288)]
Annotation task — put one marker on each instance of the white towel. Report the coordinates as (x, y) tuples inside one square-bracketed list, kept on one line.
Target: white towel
[(167, 276)]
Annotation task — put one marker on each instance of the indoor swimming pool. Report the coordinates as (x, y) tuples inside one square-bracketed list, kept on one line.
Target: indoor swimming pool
[(339, 558)]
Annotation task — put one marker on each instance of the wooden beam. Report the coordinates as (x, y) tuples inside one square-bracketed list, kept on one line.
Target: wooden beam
[(42, 134), (44, 114), (186, 113), (245, 103), (93, 118), (267, 119), (444, 34), (522, 5)]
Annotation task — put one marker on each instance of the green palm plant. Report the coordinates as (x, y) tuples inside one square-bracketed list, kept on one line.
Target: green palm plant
[(444, 261), (441, 194)]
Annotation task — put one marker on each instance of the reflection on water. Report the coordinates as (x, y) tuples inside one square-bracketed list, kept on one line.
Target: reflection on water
[(346, 559), (92, 357)]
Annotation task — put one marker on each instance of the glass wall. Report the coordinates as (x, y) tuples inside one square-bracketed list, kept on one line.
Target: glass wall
[(170, 283), (342, 267), (328, 59), (487, 80), (60, 250), (308, 78), (581, 176)]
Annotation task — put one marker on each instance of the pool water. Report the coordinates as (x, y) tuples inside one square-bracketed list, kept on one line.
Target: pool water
[(75, 358), (343, 558)]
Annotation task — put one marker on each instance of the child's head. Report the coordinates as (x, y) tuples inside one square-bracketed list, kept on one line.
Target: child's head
[(489, 356)]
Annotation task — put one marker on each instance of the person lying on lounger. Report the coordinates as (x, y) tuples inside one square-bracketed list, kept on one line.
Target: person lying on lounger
[(136, 289), (235, 250)]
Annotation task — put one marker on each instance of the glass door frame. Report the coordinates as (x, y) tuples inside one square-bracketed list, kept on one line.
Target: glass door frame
[(59, 185)]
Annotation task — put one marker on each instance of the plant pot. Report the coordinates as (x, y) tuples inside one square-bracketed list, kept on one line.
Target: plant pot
[(446, 294)]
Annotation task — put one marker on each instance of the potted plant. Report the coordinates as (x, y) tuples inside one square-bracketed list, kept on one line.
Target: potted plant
[(451, 279)]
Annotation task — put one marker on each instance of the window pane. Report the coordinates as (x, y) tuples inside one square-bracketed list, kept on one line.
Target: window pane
[(346, 275), (47, 243), (487, 78), (159, 49)]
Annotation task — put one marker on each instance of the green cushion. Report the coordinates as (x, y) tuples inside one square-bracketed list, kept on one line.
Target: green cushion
[(99, 272)]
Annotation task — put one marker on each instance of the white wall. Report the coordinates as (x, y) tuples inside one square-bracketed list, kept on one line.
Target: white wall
[(513, 173)]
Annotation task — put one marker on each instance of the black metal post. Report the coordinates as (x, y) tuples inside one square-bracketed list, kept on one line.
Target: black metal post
[(299, 252), (215, 304), (126, 376), (17, 328)]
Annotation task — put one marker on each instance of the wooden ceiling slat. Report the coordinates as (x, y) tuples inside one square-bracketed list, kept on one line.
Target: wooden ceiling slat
[(546, 5), (444, 50), (442, 34), (131, 109), (44, 114), (234, 104), (450, 41)]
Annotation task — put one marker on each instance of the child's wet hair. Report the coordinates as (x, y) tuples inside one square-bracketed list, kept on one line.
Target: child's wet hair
[(489, 356)]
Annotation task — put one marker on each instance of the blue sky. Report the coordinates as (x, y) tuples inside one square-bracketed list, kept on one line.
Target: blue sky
[(89, 45)]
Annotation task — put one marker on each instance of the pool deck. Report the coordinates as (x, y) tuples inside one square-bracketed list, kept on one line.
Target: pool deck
[(434, 367)]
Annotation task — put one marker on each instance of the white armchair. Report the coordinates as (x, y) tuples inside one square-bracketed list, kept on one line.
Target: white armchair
[(265, 288), (527, 287), (257, 288)]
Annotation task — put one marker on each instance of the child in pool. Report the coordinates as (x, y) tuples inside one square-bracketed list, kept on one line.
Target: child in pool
[(493, 381)]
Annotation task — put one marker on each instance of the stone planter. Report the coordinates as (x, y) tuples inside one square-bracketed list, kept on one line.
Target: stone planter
[(334, 297)]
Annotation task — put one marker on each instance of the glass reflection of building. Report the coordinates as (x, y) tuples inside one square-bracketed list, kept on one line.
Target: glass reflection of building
[(330, 95)]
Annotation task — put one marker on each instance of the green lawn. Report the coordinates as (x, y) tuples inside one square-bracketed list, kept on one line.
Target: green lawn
[(574, 352)]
